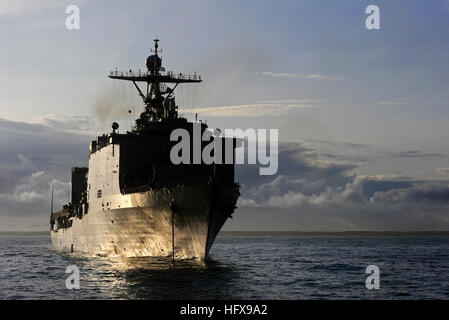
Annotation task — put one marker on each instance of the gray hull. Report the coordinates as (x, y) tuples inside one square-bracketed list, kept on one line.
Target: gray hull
[(141, 224)]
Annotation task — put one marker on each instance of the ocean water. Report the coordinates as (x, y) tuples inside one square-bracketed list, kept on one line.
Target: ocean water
[(240, 268)]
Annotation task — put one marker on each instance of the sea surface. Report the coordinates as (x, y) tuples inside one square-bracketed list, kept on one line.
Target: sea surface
[(240, 268)]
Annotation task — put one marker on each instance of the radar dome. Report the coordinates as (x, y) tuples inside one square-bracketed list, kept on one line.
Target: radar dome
[(153, 62)]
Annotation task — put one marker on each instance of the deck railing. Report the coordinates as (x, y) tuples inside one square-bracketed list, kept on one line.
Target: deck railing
[(144, 74)]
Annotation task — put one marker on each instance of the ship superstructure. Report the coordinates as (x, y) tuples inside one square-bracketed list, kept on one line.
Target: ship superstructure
[(132, 200)]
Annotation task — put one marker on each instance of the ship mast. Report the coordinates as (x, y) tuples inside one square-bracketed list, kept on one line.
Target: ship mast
[(159, 106)]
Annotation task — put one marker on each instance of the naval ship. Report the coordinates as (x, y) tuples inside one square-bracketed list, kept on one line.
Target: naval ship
[(132, 201)]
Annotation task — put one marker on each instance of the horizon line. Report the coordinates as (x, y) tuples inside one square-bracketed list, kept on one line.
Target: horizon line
[(291, 233)]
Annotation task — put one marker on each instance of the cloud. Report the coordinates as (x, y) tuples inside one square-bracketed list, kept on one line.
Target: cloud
[(76, 124), (416, 154), (32, 196), (340, 143), (33, 157), (443, 170), (285, 75), (46, 147), (248, 110), (310, 190), (314, 101), (393, 103), (363, 153), (322, 77)]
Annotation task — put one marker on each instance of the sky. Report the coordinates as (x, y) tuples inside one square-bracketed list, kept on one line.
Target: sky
[(362, 114)]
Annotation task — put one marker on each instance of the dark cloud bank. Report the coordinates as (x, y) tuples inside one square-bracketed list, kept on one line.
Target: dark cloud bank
[(32, 158), (308, 193)]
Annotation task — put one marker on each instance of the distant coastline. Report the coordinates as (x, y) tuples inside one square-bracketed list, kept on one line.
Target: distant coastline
[(24, 233), (286, 233)]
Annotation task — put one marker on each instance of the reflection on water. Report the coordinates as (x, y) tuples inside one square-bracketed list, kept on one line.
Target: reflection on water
[(155, 278)]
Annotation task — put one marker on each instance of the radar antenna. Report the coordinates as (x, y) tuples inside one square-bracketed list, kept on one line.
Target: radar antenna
[(159, 106), (52, 188)]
